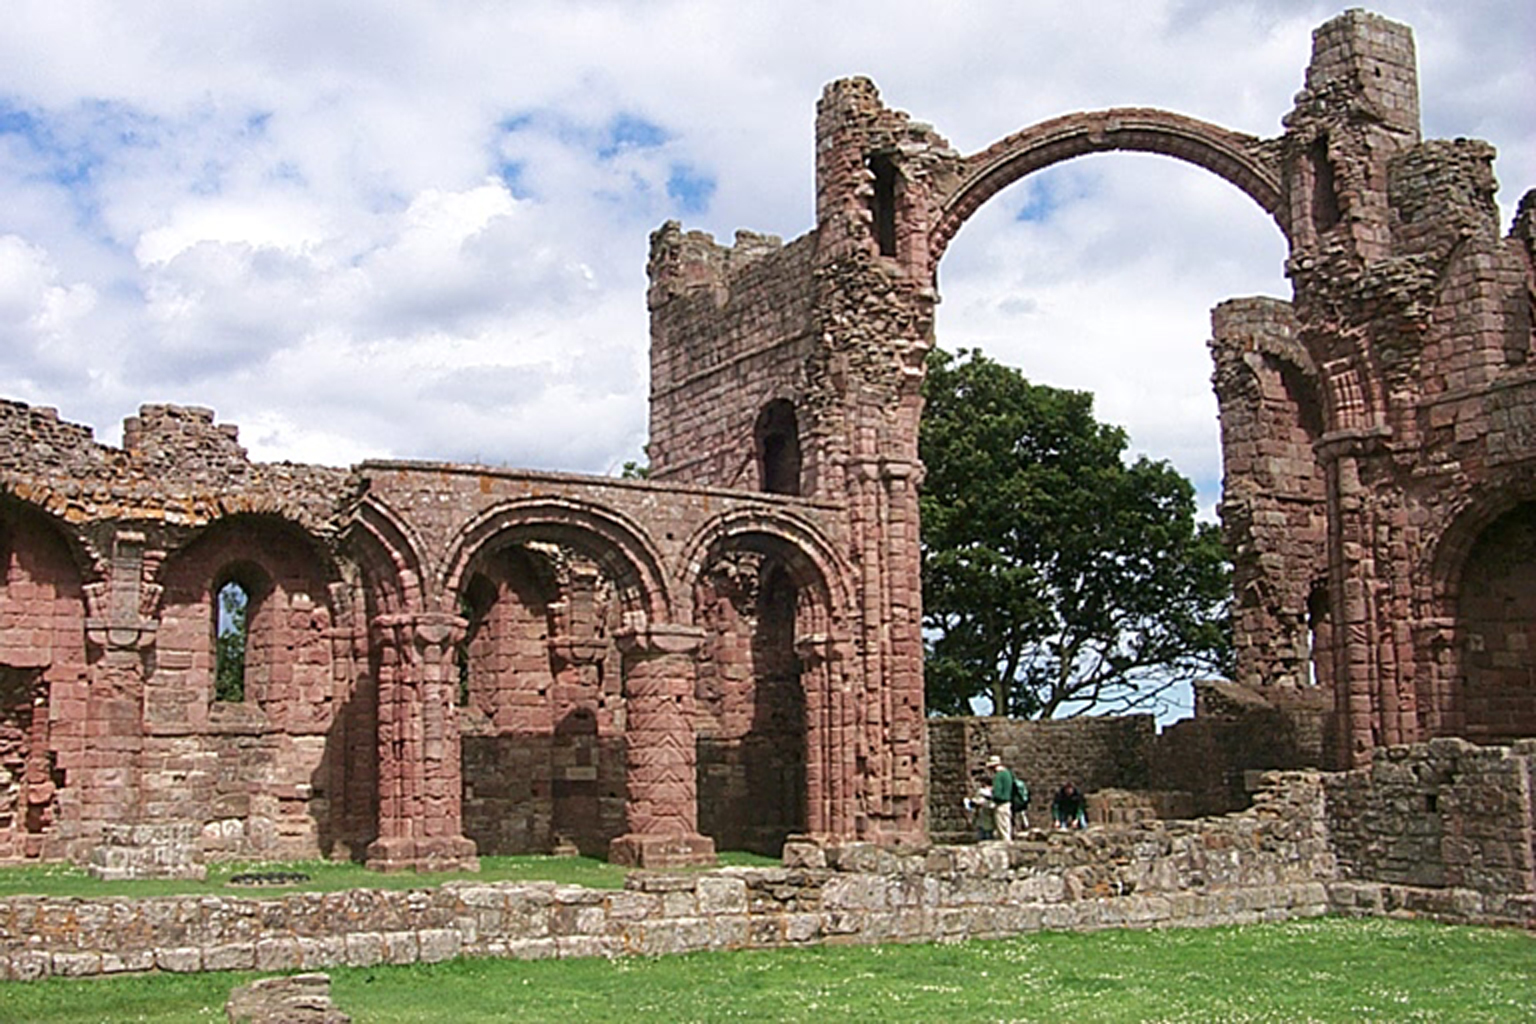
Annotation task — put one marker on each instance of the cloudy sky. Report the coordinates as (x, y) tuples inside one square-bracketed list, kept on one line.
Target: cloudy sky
[(418, 229)]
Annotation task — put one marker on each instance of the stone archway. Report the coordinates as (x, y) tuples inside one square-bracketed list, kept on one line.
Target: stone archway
[(773, 756), (1496, 627), (546, 589), (1477, 645), (1237, 158)]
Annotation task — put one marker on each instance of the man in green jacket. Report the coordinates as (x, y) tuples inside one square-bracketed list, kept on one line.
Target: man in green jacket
[(1002, 798)]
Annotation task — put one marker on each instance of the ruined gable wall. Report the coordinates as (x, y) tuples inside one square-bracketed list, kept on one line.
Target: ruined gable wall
[(731, 330), (1274, 501)]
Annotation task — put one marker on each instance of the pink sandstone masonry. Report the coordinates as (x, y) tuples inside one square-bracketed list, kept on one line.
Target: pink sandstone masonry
[(450, 660)]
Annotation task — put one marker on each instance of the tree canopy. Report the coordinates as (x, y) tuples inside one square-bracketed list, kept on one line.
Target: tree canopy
[(1058, 579)]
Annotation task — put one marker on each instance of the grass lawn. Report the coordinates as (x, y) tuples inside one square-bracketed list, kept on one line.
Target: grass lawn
[(1318, 970), (327, 876)]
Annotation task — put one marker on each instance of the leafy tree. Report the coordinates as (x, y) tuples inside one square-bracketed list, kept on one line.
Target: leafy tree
[(1057, 579), (229, 661)]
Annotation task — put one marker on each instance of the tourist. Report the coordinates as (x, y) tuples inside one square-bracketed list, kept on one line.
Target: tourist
[(1002, 798), (1069, 808)]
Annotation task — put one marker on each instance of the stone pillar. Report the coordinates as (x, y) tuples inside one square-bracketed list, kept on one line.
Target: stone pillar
[(1352, 582), (831, 738), (421, 822), (661, 760), (129, 847), (576, 761)]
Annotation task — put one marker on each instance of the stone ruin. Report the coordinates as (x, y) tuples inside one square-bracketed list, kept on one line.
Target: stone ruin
[(449, 660)]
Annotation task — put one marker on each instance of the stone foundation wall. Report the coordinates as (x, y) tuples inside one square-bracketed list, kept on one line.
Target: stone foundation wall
[(1273, 862), (1267, 864), (1446, 814)]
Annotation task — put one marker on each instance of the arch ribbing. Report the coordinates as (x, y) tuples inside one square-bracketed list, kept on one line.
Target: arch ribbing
[(1230, 155), (616, 543), (812, 557), (397, 546)]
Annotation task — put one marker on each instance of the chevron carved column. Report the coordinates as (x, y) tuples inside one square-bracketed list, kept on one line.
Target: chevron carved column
[(661, 760)]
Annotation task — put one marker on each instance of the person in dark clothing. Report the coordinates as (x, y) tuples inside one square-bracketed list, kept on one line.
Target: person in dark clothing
[(1069, 808)]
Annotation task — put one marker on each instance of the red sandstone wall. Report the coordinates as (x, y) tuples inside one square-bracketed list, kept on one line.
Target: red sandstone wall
[(256, 772), (43, 670), (716, 363), (1445, 814)]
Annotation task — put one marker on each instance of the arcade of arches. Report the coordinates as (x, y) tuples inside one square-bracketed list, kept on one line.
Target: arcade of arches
[(445, 660)]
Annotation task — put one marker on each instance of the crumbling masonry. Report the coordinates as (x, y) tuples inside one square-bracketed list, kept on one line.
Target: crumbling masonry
[(445, 660)]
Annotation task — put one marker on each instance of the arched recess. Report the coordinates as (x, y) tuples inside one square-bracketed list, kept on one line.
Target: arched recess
[(1477, 645), (386, 554), (775, 756), (776, 441), (389, 553), (1230, 155), (545, 585), (43, 663), (613, 541), (263, 785)]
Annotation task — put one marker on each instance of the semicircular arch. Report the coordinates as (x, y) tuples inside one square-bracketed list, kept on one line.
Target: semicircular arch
[(1464, 524), (396, 545), (1230, 155), (807, 553), (88, 558), (618, 544)]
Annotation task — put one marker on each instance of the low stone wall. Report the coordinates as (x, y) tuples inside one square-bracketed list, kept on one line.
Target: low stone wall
[(1269, 863), (1274, 861)]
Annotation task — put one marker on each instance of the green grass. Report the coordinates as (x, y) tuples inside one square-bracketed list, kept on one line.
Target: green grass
[(327, 876), (1319, 970)]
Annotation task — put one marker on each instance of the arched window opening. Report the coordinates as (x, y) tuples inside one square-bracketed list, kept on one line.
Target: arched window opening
[(231, 627), (1325, 196), (1496, 627), (778, 448), (474, 604), (1304, 393), (882, 203), (1319, 636)]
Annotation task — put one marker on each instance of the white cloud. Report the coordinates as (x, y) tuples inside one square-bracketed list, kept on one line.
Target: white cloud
[(419, 229)]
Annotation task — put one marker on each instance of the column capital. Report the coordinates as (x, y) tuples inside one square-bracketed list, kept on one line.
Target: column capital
[(661, 638), (817, 649), (578, 650)]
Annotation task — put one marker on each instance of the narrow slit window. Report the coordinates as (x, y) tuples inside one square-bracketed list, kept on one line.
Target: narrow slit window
[(231, 633), (1325, 196), (883, 203), (778, 448)]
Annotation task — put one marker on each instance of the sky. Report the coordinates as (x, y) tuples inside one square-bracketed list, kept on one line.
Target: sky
[(415, 229)]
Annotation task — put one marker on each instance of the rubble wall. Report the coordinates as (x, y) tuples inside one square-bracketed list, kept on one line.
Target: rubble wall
[(1095, 753), (1276, 861), (1445, 814)]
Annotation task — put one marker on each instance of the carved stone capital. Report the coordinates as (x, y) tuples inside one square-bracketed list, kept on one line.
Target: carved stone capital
[(578, 651), (661, 638)]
